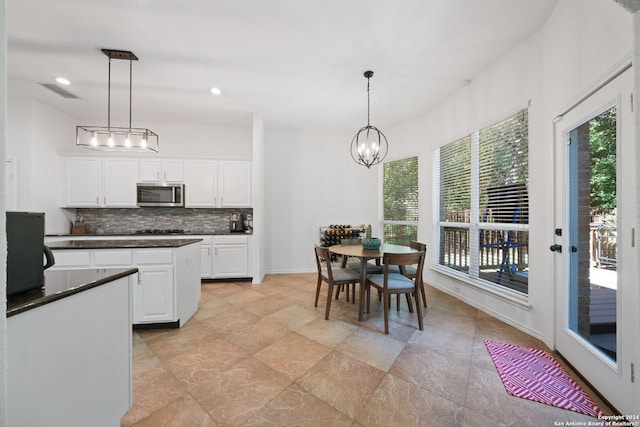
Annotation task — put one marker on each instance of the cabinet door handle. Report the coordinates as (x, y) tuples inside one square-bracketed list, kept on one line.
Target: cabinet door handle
[(165, 176), (97, 200), (139, 279)]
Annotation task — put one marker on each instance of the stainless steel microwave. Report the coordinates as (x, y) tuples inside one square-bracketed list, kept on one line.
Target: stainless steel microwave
[(160, 194)]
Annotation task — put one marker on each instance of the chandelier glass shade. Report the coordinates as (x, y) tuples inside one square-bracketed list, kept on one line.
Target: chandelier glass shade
[(369, 146), (113, 138)]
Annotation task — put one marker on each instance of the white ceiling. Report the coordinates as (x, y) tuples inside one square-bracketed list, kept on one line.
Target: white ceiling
[(297, 62)]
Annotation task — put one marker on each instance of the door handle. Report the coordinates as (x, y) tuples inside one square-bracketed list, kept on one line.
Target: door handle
[(555, 248)]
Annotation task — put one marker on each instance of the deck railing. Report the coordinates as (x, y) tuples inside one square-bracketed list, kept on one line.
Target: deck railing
[(503, 255), (606, 248)]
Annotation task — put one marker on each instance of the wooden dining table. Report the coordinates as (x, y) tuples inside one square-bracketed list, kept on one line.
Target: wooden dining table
[(356, 250)]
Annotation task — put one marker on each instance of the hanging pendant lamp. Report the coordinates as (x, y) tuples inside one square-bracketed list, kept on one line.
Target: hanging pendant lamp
[(111, 138), (369, 146)]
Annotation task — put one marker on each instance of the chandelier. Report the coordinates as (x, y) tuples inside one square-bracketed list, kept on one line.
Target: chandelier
[(112, 138), (369, 146)]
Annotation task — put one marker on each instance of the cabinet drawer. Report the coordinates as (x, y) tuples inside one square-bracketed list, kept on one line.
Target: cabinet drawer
[(72, 258), (206, 240), (231, 240), (153, 256), (112, 258)]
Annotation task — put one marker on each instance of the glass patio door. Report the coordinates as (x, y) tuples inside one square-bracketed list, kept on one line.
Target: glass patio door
[(596, 296)]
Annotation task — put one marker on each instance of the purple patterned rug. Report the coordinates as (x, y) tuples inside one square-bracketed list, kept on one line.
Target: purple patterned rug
[(534, 374)]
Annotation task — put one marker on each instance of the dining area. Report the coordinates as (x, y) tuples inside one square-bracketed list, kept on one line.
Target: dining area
[(354, 268)]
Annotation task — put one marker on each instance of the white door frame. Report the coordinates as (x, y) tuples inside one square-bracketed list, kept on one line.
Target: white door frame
[(616, 381)]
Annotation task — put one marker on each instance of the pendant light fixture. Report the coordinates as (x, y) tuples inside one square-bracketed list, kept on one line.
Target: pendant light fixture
[(111, 138), (369, 147)]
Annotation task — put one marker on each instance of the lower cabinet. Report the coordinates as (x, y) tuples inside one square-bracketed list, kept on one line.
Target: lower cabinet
[(225, 256), (230, 260), (154, 295), (206, 258)]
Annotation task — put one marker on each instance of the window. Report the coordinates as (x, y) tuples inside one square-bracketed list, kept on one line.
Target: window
[(484, 205), (400, 201)]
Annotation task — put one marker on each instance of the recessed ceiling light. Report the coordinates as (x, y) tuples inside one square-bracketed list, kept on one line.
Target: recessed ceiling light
[(215, 91), (63, 81)]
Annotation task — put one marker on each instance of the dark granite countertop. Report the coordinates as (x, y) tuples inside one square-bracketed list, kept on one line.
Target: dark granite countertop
[(121, 244), (61, 284)]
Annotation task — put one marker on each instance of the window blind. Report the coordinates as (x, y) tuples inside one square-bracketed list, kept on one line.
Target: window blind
[(455, 181), (503, 170), (484, 206)]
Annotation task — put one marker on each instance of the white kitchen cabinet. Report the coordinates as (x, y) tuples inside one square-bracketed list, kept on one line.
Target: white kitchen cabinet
[(201, 183), (206, 258), (230, 256), (210, 184), (161, 170), (84, 182), (153, 295), (72, 260), (234, 183), (112, 258), (95, 182), (119, 182)]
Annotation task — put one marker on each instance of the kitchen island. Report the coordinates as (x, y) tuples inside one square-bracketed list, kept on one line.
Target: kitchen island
[(166, 289), (69, 350)]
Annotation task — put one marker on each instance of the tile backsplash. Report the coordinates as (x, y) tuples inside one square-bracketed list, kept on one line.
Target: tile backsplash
[(127, 221)]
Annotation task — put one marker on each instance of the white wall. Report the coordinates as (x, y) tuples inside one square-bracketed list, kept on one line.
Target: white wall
[(3, 236), (581, 41), (258, 196), (19, 144), (51, 132), (311, 181)]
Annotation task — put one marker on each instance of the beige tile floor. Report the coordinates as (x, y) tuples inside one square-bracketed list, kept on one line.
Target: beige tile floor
[(263, 355)]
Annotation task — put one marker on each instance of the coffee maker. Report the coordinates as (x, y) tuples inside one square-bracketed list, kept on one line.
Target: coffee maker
[(235, 222), (248, 224)]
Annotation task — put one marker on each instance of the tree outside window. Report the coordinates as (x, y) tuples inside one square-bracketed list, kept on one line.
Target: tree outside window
[(400, 201)]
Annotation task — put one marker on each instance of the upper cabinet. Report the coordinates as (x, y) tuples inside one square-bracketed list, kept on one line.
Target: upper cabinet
[(210, 183), (96, 182), (161, 170), (84, 182), (234, 184), (201, 184)]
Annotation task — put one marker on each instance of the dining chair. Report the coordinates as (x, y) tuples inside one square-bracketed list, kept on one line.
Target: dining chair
[(333, 277), (410, 271), (389, 283)]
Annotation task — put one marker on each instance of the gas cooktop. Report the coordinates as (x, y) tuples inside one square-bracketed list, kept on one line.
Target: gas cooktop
[(161, 231)]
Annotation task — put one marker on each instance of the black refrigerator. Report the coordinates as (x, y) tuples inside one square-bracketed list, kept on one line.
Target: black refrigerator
[(26, 251)]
